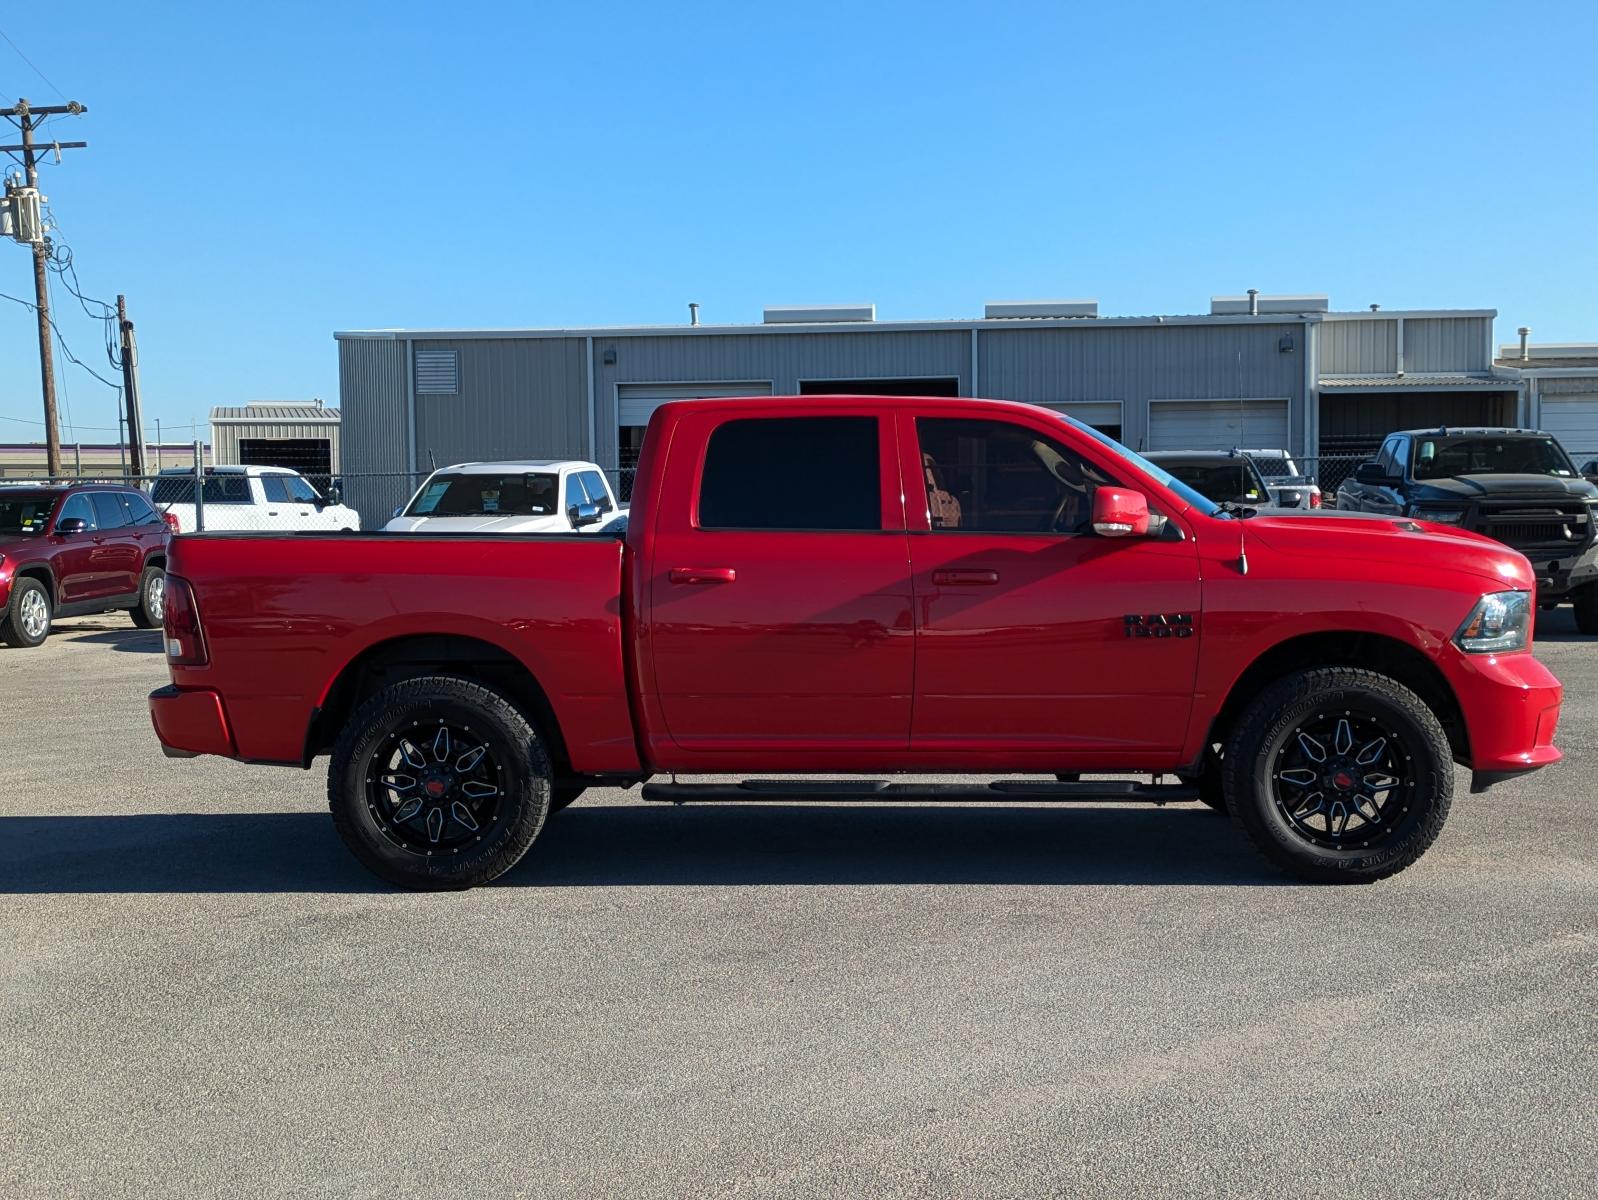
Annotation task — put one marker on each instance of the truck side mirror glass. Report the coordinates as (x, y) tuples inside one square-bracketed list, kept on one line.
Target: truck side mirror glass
[(335, 494), (1591, 468), (584, 514)]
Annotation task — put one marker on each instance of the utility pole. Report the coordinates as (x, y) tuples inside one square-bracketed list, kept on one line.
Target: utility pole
[(24, 114), (130, 387)]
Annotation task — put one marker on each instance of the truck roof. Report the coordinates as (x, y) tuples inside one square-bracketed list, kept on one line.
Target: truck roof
[(518, 464)]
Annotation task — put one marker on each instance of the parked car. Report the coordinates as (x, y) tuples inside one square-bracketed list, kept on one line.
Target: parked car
[(1517, 486), (531, 496), (264, 498), (69, 550), (1289, 487), (1222, 475), (871, 585)]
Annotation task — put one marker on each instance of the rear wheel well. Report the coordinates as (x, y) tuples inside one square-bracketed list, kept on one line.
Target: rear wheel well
[(391, 662), (156, 560), (1371, 651)]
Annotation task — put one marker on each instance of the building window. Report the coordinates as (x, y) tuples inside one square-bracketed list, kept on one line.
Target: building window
[(437, 372)]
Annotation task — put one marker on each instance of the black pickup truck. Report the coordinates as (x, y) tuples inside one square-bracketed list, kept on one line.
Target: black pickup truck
[(1516, 485)]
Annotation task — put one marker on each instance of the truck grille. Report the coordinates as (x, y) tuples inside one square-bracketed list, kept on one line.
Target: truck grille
[(1566, 526)]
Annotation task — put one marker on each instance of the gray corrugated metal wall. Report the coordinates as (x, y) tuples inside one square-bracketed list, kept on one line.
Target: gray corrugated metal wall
[(1365, 347), (785, 359), (374, 425), (1447, 344), (1137, 364), (516, 398)]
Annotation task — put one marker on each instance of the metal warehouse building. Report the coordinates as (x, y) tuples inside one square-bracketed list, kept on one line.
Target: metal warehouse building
[(1258, 371)]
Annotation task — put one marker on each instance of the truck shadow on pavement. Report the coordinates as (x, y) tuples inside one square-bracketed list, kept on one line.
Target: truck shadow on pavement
[(1559, 625), (127, 641), (599, 845)]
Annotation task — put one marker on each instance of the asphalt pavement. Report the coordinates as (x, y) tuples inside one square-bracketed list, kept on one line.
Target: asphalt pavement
[(202, 994)]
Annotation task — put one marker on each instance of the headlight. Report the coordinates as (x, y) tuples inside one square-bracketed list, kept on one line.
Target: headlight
[(1444, 516), (1500, 622)]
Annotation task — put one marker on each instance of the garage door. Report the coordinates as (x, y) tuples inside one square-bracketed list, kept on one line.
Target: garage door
[(635, 402), (1217, 424), (1574, 421)]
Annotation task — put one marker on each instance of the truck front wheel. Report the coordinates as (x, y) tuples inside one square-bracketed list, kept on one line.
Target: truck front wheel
[(438, 783), (1339, 775), (1585, 602)]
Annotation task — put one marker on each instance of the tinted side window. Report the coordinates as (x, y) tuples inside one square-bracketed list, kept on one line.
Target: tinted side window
[(78, 507), (298, 490), (594, 485), (792, 473), (108, 510), (275, 488), (995, 477), (574, 494), (138, 509), (1388, 458)]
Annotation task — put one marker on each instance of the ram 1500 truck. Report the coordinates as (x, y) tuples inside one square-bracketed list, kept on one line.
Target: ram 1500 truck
[(837, 586)]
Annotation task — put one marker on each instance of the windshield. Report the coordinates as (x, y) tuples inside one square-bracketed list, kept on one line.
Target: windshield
[(25, 514), (473, 495), (1164, 478), (1441, 457), (1220, 480), (1274, 465)]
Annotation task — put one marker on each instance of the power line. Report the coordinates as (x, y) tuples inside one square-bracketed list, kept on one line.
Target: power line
[(30, 63), (28, 304)]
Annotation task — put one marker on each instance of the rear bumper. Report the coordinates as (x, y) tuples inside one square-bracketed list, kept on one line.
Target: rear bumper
[(190, 722), (1511, 707)]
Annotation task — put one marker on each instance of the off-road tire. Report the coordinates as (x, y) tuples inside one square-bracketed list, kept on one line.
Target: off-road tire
[(1276, 715), (422, 703), (1585, 602), (151, 608), (12, 630)]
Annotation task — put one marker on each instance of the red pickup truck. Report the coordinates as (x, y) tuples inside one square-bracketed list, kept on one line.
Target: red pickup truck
[(834, 586)]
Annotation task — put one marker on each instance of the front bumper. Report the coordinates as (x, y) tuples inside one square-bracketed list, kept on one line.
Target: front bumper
[(190, 722), (1510, 703), (1559, 575)]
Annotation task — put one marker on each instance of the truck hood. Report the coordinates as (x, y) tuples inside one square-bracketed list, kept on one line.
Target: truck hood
[(479, 524), (1475, 487), (1378, 541)]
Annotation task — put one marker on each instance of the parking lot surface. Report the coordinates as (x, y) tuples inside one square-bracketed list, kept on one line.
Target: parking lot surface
[(202, 994)]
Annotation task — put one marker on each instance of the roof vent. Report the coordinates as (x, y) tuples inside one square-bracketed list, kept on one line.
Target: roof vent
[(1239, 305), (1010, 309), (819, 314)]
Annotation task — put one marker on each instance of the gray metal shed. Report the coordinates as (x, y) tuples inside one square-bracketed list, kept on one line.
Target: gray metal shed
[(302, 436)]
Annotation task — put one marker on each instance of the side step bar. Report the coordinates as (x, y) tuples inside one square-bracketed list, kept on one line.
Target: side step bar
[(881, 791)]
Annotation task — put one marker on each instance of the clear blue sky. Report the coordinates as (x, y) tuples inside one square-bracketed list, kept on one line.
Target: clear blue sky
[(261, 175)]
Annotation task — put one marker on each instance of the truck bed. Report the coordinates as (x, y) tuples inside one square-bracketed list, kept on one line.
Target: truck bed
[(286, 617)]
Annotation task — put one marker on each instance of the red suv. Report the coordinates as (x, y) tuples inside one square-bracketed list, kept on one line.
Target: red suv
[(71, 549)]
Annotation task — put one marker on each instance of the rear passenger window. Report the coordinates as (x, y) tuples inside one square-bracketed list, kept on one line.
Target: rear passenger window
[(792, 473), (108, 510)]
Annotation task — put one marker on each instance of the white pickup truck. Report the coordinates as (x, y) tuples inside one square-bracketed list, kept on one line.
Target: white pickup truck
[(529, 496), (272, 498)]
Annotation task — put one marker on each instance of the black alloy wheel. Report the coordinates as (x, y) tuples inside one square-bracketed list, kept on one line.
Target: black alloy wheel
[(1342, 779), (434, 789), (1339, 774)]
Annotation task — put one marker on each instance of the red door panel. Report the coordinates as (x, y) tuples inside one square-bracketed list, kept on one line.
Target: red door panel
[(784, 644), (1023, 635)]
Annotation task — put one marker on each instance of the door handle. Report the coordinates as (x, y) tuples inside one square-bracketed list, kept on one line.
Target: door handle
[(952, 577), (703, 575)]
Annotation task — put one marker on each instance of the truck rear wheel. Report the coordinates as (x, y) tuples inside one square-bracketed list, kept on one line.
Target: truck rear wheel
[(1585, 602), (438, 783), (1339, 775)]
